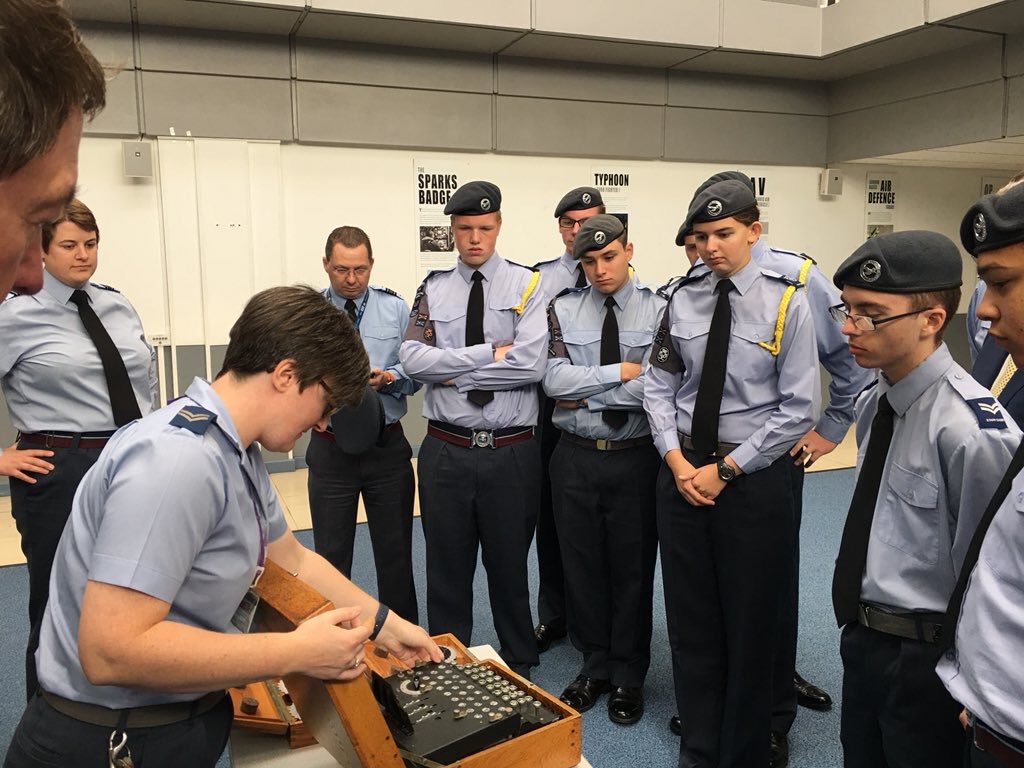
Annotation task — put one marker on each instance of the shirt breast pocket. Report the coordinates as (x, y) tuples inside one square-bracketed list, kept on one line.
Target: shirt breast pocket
[(449, 322), (634, 345), (577, 341), (753, 362), (500, 317), (381, 343), (690, 339), (909, 521)]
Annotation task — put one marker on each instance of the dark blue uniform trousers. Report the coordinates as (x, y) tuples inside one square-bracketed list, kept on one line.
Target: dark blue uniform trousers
[(551, 608), (725, 569)]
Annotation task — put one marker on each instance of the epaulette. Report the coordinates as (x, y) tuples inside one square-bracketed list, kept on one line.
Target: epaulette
[(794, 254), (539, 264), (382, 289), (684, 281), (523, 266), (194, 419), (665, 290), (103, 287), (782, 278), (986, 409), (434, 272)]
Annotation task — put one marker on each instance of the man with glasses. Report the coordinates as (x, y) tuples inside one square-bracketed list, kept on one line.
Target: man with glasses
[(932, 447), (575, 207), (339, 473)]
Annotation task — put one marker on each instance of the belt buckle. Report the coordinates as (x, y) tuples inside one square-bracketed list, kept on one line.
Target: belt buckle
[(46, 441), (603, 445), (483, 438)]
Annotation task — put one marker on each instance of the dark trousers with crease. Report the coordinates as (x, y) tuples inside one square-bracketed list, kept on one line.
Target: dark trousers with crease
[(551, 609), (784, 700), (725, 568), (896, 712), (46, 738), (384, 477), (41, 511), (480, 500), (604, 510)]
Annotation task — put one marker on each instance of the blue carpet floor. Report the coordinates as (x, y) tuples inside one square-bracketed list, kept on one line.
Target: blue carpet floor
[(814, 741)]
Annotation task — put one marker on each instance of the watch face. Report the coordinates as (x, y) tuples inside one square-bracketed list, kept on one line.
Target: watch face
[(725, 472)]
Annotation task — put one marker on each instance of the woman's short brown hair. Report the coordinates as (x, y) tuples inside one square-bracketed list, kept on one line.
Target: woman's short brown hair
[(77, 213)]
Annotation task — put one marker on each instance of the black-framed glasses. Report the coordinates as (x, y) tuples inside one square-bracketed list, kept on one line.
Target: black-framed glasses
[(863, 322), (565, 222), (330, 409)]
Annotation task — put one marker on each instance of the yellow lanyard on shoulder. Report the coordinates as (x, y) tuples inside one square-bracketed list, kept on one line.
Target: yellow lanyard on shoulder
[(526, 294), (775, 345)]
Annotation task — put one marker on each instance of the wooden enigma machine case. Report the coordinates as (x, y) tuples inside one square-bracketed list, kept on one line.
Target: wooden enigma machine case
[(461, 713)]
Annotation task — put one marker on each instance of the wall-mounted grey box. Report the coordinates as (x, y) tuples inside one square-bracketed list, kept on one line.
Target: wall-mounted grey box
[(138, 159)]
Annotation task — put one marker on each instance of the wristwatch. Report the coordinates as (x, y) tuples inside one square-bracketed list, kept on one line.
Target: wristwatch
[(725, 471)]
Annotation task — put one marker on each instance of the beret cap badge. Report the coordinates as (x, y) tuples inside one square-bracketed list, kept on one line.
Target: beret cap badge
[(870, 271), (485, 204), (980, 228), (714, 207), (586, 197), (599, 238)]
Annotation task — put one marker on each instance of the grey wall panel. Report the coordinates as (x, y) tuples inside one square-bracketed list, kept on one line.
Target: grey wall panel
[(956, 340), (939, 120), (755, 94), (217, 107), (168, 49), (705, 135), (1015, 55), (590, 82), (191, 362), (574, 128), (168, 383), (121, 115), (1015, 107), (111, 44), (325, 61), (933, 74), (217, 354), (394, 117)]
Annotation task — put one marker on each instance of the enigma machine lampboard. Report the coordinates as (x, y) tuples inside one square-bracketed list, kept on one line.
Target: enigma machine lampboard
[(460, 713)]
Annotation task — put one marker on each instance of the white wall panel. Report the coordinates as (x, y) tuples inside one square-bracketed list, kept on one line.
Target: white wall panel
[(754, 25), (689, 22), (848, 24), (508, 13)]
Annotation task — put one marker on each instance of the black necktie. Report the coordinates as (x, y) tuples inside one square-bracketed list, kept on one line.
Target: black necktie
[(122, 397), (853, 551), (581, 279), (475, 332), (350, 307), (708, 406), (971, 559), (610, 356)]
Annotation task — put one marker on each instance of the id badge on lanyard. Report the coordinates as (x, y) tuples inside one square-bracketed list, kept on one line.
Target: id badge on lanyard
[(246, 611)]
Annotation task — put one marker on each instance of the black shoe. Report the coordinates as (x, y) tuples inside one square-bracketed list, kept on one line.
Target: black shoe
[(779, 754), (626, 705), (583, 692), (547, 634), (811, 696), (675, 725)]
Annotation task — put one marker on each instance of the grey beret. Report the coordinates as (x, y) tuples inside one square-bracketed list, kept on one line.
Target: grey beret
[(726, 176), (579, 199), (903, 262), (995, 221), (717, 201), (474, 198), (597, 233)]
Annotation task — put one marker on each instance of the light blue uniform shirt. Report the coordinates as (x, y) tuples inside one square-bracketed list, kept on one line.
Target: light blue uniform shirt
[(574, 370), (977, 329), (435, 351), (983, 671), (950, 446), (768, 400), (169, 513), (381, 317), (50, 371), (848, 378), (558, 274)]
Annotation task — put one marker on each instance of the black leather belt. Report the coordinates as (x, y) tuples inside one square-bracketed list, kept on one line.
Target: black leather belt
[(925, 627), (135, 717), (396, 427), (478, 438), (723, 449), (1007, 751), (607, 445), (66, 439)]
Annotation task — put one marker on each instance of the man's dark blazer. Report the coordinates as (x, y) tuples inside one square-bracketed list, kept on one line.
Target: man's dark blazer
[(987, 367)]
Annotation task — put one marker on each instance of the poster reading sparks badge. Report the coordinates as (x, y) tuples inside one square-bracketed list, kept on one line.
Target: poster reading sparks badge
[(435, 183)]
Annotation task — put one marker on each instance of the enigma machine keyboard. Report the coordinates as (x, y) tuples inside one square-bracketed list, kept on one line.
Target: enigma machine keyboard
[(445, 712)]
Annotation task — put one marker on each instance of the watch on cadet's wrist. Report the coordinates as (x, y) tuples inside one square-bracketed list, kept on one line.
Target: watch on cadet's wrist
[(725, 471)]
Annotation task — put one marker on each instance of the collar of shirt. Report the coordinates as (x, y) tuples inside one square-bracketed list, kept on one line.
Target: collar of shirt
[(621, 296), (204, 394), (741, 279), (487, 269), (339, 300), (905, 392), (568, 262), (61, 291)]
